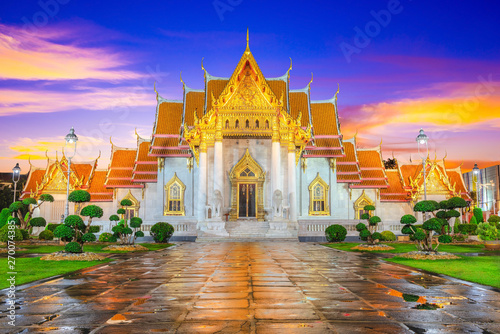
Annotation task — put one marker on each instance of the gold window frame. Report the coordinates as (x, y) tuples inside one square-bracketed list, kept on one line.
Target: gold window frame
[(182, 188), (360, 204), (318, 181)]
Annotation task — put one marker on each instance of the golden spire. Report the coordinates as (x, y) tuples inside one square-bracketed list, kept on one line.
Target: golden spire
[(154, 87), (290, 64), (248, 39), (183, 84), (98, 156), (136, 134)]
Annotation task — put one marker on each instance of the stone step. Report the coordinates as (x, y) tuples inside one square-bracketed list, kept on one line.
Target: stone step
[(249, 239)]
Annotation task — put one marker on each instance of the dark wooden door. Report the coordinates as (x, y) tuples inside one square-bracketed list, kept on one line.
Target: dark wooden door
[(247, 200)]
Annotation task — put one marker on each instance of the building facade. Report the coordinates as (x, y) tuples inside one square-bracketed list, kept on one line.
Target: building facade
[(247, 157), (487, 187)]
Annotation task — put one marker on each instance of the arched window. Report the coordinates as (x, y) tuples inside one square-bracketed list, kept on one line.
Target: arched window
[(133, 210), (237, 124), (318, 197), (267, 124), (359, 205), (257, 124), (247, 124), (227, 124), (174, 195)]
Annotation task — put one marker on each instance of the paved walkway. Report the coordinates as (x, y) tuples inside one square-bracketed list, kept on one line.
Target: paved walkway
[(253, 288)]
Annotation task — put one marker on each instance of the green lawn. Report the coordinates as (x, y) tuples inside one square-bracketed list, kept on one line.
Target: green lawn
[(32, 269), (404, 248), (478, 269), (43, 249)]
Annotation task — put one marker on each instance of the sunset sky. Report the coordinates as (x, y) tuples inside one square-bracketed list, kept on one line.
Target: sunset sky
[(400, 66)]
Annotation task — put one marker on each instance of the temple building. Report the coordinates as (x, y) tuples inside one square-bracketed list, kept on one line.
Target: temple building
[(247, 157)]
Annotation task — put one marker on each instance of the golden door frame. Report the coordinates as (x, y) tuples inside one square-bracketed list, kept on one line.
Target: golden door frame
[(247, 171)]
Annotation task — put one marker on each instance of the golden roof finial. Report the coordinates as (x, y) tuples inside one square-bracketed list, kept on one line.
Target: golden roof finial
[(111, 141), (380, 145), (310, 82), (183, 84), (290, 65), (136, 134), (56, 156), (154, 87), (248, 40), (98, 156)]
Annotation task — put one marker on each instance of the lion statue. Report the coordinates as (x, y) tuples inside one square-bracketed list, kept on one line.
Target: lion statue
[(277, 203), (217, 204)]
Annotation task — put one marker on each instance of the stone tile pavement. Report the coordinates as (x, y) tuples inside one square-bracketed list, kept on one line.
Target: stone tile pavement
[(267, 287)]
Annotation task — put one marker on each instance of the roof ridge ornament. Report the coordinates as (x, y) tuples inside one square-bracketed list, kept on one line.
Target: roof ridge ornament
[(183, 84), (248, 42), (154, 87)]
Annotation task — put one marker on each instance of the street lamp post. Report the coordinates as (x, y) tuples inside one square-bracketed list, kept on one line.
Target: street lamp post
[(16, 175), (71, 140), (475, 173), (422, 140)]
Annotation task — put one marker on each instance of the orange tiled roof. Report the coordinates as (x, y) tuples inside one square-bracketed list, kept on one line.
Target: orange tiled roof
[(144, 178), (194, 101), (146, 167), (395, 192), (98, 192), (455, 178), (123, 158), (298, 103), (372, 169), (121, 167), (35, 177), (142, 153), (279, 89), (325, 124), (369, 159), (169, 118), (410, 171), (215, 86), (348, 166)]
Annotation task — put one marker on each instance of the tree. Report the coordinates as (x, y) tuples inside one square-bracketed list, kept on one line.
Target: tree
[(391, 163), (91, 211), (478, 213), (423, 236), (74, 231), (369, 233), (122, 230), (27, 206), (79, 197)]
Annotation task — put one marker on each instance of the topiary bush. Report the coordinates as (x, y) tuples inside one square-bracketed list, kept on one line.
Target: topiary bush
[(388, 236), (89, 237), (487, 232), (75, 222), (79, 196), (52, 227), (139, 234), (377, 236), (25, 233), (94, 229), (162, 232), (65, 233), (478, 213), (445, 239), (469, 229), (46, 235), (335, 233), (473, 220), (493, 220), (73, 247), (107, 237), (4, 234), (38, 221), (4, 215)]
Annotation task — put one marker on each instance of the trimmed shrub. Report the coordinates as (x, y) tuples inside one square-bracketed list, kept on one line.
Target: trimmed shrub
[(459, 237), (135, 222), (25, 233), (364, 234), (38, 221), (478, 213), (120, 212), (114, 218), (360, 227), (94, 229), (89, 237), (426, 206), (139, 234), (73, 247), (162, 232), (432, 224), (377, 236), (65, 233), (4, 235), (75, 222), (79, 196), (373, 221), (335, 233), (408, 219), (444, 239), (365, 216), (4, 215), (46, 235), (493, 219), (16, 220), (455, 226), (92, 211), (52, 227), (107, 237), (473, 220), (388, 236), (126, 202), (467, 228), (408, 229), (487, 232)]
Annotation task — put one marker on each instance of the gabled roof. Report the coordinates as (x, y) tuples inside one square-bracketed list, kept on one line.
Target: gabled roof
[(372, 169), (121, 166), (348, 170), (98, 192), (395, 192), (145, 166)]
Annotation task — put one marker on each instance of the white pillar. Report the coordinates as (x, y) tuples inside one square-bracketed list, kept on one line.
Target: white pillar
[(202, 185), (275, 167), (218, 167), (292, 188)]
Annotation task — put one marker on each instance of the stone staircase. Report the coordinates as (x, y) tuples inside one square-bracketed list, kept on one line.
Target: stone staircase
[(245, 231)]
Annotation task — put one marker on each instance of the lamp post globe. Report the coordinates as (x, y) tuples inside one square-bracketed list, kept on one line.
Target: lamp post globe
[(475, 175), (16, 175), (422, 140), (70, 150)]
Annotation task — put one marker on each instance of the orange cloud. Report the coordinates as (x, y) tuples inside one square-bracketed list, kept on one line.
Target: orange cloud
[(27, 56)]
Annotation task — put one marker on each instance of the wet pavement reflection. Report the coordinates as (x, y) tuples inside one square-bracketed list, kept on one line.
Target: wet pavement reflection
[(268, 287)]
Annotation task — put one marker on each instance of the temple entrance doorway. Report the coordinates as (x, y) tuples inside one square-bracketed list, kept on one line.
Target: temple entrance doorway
[(247, 184), (246, 200)]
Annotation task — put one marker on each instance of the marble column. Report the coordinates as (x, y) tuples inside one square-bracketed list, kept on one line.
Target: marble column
[(275, 166), (202, 184), (292, 186), (218, 172)]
